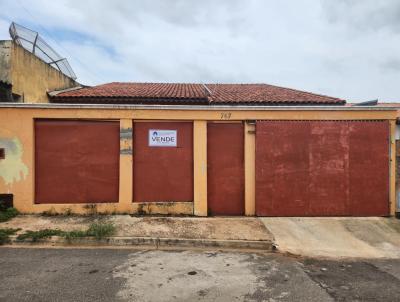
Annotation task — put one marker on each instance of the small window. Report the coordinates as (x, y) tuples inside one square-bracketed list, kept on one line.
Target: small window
[(2, 153), (6, 201)]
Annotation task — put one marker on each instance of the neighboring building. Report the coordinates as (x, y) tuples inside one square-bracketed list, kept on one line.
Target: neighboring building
[(29, 68)]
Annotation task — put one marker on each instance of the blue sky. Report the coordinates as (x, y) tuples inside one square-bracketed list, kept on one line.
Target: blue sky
[(342, 48)]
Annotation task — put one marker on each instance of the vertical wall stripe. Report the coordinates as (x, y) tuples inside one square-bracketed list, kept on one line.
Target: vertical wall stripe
[(249, 169), (125, 166), (200, 167)]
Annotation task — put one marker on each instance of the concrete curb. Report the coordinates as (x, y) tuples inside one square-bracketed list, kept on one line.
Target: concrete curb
[(150, 242)]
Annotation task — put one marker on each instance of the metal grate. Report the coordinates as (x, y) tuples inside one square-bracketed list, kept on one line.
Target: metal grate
[(32, 42)]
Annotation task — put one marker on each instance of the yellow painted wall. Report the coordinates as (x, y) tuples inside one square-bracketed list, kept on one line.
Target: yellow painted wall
[(17, 171), (200, 167), (250, 169), (32, 78)]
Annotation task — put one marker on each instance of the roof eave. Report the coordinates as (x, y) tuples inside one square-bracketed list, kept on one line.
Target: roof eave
[(127, 100), (178, 101)]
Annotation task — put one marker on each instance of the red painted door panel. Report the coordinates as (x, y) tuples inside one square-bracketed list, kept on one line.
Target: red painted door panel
[(281, 168), (163, 174), (322, 168), (76, 161), (328, 169), (225, 174), (369, 169)]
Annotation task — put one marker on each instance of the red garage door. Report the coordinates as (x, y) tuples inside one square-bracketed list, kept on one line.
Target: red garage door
[(225, 171), (76, 161), (163, 170), (322, 168)]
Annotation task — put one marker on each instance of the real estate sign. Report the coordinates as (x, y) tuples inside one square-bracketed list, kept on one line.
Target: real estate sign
[(162, 138)]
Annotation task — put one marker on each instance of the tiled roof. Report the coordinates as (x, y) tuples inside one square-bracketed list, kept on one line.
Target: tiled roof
[(263, 93), (257, 94)]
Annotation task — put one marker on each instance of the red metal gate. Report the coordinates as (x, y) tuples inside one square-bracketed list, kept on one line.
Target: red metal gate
[(163, 173), (225, 178), (76, 161), (322, 168)]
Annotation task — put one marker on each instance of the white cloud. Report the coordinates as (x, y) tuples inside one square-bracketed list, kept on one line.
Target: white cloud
[(342, 48)]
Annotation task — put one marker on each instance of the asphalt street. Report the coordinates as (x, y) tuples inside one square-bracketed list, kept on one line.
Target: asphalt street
[(41, 274)]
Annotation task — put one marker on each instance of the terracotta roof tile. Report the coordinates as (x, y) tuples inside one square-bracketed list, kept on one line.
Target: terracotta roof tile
[(260, 94)]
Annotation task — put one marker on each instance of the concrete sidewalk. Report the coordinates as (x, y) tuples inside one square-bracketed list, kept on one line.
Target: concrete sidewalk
[(217, 232), (330, 237)]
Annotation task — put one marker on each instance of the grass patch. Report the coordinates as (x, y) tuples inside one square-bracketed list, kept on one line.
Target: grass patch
[(100, 230), (36, 235), (97, 230), (75, 234), (7, 214), (5, 234)]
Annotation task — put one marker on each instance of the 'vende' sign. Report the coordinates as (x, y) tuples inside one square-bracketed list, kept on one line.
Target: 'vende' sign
[(162, 138)]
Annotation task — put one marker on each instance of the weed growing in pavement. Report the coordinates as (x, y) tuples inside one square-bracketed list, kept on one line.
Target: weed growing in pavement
[(36, 235), (97, 230), (75, 234), (5, 234)]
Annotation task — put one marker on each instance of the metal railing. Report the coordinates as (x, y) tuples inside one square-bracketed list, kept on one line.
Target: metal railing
[(32, 42)]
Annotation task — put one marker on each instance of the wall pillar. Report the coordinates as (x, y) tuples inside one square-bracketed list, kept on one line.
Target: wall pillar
[(249, 169), (200, 167), (125, 166), (392, 167)]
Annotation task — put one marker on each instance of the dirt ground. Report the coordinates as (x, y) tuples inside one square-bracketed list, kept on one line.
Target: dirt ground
[(196, 228), (38, 222), (242, 228)]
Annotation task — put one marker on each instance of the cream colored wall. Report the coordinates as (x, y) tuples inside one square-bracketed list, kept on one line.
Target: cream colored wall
[(32, 78), (16, 125)]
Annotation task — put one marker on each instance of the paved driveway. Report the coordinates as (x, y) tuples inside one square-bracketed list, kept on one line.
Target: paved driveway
[(127, 275), (371, 237)]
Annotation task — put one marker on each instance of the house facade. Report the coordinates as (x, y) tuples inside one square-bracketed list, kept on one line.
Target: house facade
[(198, 149)]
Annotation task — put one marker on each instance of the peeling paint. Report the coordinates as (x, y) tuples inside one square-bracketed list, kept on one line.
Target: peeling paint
[(12, 168), (163, 208), (126, 141), (126, 133)]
